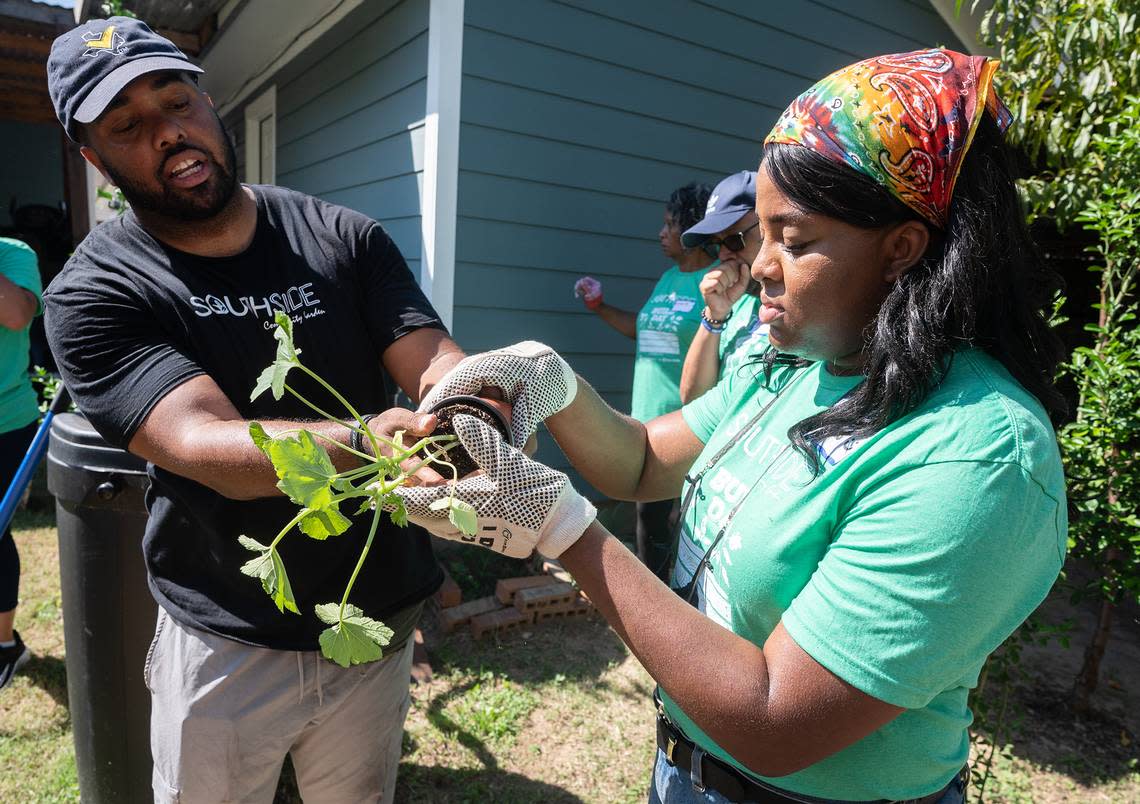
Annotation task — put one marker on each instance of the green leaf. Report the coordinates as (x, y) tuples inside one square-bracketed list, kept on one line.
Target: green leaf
[(270, 570), (282, 589), (259, 436), (355, 639), (327, 521), (252, 544), (398, 514), (305, 469), (462, 515), (442, 504), (284, 335), (273, 377)]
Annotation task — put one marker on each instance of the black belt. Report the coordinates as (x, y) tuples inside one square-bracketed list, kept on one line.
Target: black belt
[(710, 773)]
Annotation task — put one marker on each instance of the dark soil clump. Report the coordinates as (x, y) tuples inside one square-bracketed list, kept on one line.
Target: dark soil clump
[(446, 410)]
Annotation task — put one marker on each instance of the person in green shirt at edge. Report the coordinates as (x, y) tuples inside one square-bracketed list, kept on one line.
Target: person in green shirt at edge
[(873, 508), (19, 410), (663, 329), (730, 330)]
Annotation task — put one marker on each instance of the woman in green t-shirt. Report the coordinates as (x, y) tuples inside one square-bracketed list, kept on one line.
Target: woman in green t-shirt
[(663, 329), (19, 410), (873, 508)]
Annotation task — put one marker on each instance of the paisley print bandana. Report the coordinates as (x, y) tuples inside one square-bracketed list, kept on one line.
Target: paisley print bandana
[(906, 120)]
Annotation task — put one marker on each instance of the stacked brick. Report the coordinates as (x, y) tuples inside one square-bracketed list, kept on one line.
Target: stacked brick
[(525, 600)]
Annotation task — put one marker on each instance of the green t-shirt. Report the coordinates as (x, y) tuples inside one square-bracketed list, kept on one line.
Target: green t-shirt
[(744, 336), (666, 326), (913, 555), (18, 404)]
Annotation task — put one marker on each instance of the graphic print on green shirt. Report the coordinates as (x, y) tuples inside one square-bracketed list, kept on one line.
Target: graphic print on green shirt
[(744, 336), (18, 404), (909, 559), (666, 325)]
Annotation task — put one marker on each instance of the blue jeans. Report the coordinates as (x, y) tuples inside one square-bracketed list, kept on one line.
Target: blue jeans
[(673, 785)]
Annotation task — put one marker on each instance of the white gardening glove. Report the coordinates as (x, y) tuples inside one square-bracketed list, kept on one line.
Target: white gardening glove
[(534, 379), (520, 505)]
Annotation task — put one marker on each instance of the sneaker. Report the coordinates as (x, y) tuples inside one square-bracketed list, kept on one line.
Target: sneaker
[(12, 659)]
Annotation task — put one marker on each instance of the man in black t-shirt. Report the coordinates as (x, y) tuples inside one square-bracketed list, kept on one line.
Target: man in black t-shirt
[(161, 322)]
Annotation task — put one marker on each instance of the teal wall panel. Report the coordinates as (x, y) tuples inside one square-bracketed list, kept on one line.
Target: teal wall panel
[(579, 117), (350, 113)]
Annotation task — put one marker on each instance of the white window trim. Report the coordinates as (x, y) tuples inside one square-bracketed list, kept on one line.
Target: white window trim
[(256, 112), (439, 199)]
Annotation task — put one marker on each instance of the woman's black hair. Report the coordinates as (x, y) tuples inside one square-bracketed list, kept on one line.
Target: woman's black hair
[(981, 283), (686, 205)]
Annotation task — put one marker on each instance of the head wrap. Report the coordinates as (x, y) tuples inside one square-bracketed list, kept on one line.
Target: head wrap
[(905, 120)]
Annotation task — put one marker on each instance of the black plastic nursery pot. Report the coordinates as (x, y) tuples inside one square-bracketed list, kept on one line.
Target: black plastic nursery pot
[(491, 411)]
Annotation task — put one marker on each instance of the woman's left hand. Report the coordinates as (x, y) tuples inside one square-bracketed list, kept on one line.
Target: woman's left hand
[(531, 376), (520, 505)]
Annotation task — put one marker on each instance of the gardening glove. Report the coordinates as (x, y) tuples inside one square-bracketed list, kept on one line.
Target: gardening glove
[(589, 290), (520, 505), (534, 379)]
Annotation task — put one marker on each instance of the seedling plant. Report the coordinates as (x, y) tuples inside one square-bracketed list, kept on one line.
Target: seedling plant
[(306, 474)]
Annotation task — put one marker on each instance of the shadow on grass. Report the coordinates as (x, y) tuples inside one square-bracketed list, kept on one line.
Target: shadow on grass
[(422, 783), (439, 785), (49, 673), (570, 650), (1092, 749), (34, 517)]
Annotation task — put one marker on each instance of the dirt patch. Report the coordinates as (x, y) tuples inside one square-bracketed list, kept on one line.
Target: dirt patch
[(1049, 755)]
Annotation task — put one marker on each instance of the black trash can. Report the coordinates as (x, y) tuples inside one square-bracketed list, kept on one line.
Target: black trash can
[(108, 612)]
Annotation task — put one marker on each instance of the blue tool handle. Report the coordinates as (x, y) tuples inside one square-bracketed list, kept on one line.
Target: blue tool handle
[(32, 459)]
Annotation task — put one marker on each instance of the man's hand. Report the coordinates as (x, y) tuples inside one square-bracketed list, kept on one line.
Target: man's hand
[(520, 505), (415, 426), (530, 375), (722, 286), (589, 290)]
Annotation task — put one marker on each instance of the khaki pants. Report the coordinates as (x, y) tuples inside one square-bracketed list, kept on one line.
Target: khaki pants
[(225, 714)]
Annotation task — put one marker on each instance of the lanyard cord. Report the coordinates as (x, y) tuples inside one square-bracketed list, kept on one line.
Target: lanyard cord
[(703, 564), (694, 480)]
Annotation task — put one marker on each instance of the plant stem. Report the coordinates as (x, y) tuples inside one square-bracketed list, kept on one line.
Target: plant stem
[(347, 406), (360, 562), (287, 528), (332, 441), (324, 413)]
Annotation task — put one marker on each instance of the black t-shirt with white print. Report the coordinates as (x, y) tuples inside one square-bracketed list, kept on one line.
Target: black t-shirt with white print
[(130, 318)]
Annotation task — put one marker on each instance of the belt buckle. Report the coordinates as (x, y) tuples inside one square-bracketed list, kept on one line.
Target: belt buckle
[(669, 746), (696, 774)]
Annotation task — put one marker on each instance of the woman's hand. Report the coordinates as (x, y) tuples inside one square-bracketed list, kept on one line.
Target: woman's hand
[(531, 377), (519, 505), (722, 286), (589, 290)]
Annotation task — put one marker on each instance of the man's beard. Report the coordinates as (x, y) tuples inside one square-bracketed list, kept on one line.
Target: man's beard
[(198, 203)]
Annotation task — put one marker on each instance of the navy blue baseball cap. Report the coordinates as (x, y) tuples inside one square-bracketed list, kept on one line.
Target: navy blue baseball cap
[(730, 201), (90, 64)]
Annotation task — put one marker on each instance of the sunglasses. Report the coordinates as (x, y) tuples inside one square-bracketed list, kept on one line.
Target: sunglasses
[(734, 242)]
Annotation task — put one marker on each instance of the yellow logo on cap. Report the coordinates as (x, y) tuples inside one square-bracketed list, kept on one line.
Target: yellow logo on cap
[(108, 41)]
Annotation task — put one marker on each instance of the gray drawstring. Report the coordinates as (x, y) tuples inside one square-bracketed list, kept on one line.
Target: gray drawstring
[(320, 690), (301, 675)]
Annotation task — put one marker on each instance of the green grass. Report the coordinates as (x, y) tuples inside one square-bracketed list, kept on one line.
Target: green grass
[(560, 712), (37, 758), (491, 710)]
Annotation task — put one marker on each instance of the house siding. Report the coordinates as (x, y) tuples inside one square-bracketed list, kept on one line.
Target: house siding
[(579, 117), (350, 116)]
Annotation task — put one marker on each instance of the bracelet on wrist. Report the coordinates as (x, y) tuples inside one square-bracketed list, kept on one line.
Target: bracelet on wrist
[(355, 437), (714, 324)]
